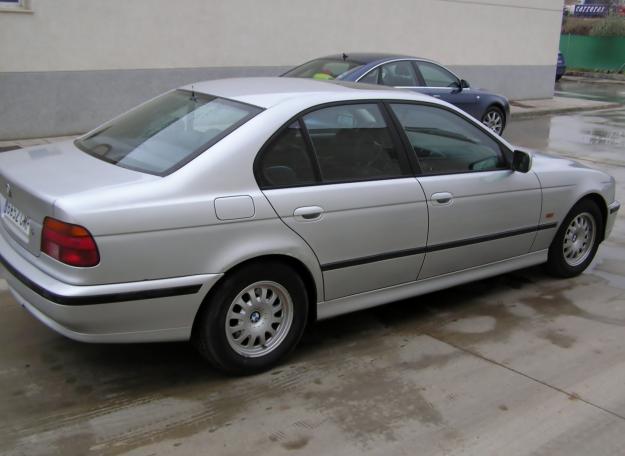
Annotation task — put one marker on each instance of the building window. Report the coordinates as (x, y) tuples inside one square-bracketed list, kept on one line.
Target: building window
[(15, 6)]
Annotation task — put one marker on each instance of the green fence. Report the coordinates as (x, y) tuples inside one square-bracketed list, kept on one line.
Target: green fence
[(593, 52)]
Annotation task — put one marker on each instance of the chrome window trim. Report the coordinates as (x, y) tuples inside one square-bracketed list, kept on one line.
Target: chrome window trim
[(427, 87), (412, 60)]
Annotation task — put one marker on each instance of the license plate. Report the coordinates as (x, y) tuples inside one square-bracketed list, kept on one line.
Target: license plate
[(16, 217)]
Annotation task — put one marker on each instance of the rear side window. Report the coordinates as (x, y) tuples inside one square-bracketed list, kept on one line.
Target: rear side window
[(398, 74), (371, 77), (353, 143), (338, 144), (286, 162), (164, 134), (445, 142), (322, 69)]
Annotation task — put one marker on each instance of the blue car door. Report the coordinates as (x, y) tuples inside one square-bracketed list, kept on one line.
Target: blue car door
[(441, 83)]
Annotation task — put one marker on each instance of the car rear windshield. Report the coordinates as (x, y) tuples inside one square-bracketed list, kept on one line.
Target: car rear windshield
[(164, 134), (324, 69)]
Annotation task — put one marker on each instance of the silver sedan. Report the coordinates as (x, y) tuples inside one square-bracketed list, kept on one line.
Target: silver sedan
[(233, 213)]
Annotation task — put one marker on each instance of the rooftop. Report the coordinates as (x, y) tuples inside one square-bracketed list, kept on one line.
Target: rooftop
[(266, 92)]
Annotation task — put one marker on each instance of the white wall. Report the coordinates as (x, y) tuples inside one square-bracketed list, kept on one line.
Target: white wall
[(70, 35), (71, 64)]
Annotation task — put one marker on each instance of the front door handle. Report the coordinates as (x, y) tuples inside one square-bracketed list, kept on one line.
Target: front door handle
[(442, 198), (308, 213)]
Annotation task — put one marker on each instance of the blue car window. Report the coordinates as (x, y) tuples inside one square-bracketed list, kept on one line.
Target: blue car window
[(436, 76), (398, 74), (322, 69), (371, 77)]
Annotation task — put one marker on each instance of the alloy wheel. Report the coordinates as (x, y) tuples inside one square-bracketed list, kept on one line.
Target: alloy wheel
[(494, 121), (258, 319), (579, 239)]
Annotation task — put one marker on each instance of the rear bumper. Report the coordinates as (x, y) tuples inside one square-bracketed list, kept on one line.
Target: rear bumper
[(147, 311)]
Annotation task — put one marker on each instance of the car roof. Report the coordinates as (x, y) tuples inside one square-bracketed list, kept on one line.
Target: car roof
[(267, 92), (367, 57)]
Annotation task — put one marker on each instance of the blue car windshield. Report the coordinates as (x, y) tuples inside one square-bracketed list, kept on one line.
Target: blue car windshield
[(323, 69), (164, 134)]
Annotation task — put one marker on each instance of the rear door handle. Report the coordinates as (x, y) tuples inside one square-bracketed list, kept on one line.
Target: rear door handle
[(442, 198), (308, 213), (436, 96)]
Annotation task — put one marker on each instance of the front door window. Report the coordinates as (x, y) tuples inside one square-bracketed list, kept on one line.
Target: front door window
[(446, 143), (436, 76)]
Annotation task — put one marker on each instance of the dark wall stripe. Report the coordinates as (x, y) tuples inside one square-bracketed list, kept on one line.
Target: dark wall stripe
[(99, 299), (434, 248)]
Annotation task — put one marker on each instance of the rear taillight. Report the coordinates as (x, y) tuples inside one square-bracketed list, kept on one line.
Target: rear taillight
[(70, 244)]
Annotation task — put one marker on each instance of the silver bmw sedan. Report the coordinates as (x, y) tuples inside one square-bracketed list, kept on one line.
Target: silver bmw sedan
[(233, 213)]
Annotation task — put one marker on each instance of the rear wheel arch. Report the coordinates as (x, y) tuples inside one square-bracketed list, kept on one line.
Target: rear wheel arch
[(501, 107), (293, 263)]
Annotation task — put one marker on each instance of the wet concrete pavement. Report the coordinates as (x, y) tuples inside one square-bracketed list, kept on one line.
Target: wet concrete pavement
[(520, 364), (604, 90)]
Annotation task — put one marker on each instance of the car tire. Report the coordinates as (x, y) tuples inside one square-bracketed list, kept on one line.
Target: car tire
[(495, 119), (254, 318), (576, 241)]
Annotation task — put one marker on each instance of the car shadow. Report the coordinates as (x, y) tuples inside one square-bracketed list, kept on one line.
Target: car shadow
[(153, 366), (109, 370), (55, 381)]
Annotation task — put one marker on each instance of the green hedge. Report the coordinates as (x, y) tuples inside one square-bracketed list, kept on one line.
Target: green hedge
[(593, 52)]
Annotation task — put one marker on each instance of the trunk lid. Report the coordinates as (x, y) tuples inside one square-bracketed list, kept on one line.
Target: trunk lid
[(34, 178)]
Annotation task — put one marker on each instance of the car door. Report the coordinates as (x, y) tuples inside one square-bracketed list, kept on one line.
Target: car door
[(340, 179), (480, 211), (441, 83)]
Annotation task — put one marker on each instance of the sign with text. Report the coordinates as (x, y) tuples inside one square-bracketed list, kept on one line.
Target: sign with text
[(591, 10)]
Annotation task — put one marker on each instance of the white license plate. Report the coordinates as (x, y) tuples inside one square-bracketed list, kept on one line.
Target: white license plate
[(17, 218)]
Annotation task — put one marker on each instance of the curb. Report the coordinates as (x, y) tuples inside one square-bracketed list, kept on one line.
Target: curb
[(620, 77), (8, 148), (543, 112), (604, 79)]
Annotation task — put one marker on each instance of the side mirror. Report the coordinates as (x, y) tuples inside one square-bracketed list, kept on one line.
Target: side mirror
[(464, 84), (521, 161)]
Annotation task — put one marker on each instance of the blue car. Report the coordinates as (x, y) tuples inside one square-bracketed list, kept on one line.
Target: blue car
[(412, 73), (561, 67)]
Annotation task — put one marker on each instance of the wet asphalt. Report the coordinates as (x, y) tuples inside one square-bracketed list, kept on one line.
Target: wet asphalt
[(520, 364)]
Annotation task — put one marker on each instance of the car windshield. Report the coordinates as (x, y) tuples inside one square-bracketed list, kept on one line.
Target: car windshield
[(324, 69), (164, 134)]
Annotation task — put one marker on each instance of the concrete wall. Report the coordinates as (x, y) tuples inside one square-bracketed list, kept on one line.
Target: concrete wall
[(70, 64)]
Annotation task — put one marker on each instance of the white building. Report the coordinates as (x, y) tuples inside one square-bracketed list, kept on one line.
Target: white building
[(66, 65)]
